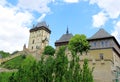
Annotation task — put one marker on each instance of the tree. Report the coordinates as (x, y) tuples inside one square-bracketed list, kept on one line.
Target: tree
[(4, 54), (49, 50), (61, 65), (87, 73), (79, 43), (52, 69)]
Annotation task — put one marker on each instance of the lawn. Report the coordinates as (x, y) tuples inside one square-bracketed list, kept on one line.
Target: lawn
[(14, 63), (4, 76)]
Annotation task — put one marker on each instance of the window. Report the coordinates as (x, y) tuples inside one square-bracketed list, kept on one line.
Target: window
[(101, 56), (107, 43), (36, 47), (102, 43), (94, 44), (33, 42), (32, 48)]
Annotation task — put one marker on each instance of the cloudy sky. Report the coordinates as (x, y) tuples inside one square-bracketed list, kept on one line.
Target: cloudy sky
[(80, 16)]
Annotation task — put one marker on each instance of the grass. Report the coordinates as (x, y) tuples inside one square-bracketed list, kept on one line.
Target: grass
[(14, 63), (4, 76)]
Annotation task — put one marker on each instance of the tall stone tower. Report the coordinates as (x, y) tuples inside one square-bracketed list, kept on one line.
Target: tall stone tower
[(39, 37)]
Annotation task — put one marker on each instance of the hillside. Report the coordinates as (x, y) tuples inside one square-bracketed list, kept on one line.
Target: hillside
[(14, 63)]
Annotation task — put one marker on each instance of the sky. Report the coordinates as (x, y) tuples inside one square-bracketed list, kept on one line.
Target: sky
[(80, 16)]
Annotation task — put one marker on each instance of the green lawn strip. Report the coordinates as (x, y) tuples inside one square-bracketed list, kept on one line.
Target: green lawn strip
[(4, 76), (13, 63)]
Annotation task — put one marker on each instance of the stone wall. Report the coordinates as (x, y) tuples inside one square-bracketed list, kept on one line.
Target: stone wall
[(2, 60)]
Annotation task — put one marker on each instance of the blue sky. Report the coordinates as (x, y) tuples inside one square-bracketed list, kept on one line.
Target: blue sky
[(80, 16)]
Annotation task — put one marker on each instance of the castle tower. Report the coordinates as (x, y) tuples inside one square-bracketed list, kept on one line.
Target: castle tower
[(39, 37)]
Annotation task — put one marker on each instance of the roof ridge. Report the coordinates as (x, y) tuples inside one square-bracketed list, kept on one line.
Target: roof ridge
[(101, 33)]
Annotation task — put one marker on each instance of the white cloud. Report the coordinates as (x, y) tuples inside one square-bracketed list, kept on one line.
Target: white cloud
[(3, 2), (40, 6), (116, 31), (15, 19), (99, 19), (41, 17), (71, 1), (13, 30), (110, 7)]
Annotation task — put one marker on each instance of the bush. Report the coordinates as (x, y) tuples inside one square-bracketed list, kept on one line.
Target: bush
[(53, 69), (49, 50)]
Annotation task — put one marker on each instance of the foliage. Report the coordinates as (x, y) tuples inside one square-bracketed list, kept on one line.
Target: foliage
[(79, 43), (15, 52), (87, 72), (26, 71), (53, 69), (60, 65), (4, 76), (4, 54), (49, 50), (14, 63)]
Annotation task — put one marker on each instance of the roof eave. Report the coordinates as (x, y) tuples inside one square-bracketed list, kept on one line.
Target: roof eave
[(39, 28)]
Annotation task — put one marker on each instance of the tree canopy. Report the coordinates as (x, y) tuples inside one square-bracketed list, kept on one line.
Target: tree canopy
[(4, 54), (79, 43), (49, 50), (52, 69)]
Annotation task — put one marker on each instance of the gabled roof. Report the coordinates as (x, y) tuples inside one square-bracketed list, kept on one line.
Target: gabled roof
[(101, 34)]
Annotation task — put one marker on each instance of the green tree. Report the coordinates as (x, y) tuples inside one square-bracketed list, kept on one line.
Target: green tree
[(26, 72), (61, 65), (49, 50), (4, 54), (53, 69), (87, 73), (79, 43)]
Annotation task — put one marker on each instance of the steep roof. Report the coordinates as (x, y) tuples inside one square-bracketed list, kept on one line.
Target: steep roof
[(39, 26), (101, 34), (64, 38), (43, 23)]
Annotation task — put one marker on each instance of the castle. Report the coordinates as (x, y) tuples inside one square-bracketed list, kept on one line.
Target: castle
[(104, 53)]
